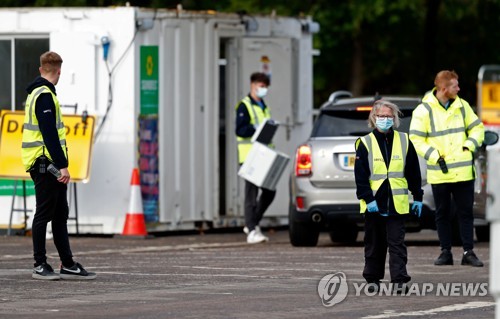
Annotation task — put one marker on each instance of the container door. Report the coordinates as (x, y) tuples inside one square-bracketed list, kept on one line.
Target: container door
[(274, 57)]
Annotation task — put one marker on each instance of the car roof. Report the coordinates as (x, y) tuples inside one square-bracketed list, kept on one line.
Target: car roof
[(351, 103)]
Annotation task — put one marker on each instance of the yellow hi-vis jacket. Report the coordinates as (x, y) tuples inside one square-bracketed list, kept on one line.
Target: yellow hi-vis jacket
[(395, 173), (257, 116), (436, 131), (33, 146)]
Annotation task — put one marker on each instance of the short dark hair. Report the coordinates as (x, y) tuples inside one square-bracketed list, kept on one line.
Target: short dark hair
[(260, 77)]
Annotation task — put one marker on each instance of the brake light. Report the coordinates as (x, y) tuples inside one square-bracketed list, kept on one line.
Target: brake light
[(299, 202), (364, 108), (303, 164)]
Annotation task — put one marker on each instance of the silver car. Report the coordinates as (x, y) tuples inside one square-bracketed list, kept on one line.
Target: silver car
[(322, 186)]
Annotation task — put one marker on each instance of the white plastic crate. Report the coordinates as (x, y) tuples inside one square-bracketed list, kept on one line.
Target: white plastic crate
[(263, 166)]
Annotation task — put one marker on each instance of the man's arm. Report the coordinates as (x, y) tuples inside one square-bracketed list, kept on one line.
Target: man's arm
[(45, 112), (243, 126), (474, 128), (419, 127)]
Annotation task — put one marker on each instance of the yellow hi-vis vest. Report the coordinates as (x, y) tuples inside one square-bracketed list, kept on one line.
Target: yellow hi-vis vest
[(395, 173), (436, 131), (257, 116), (33, 146)]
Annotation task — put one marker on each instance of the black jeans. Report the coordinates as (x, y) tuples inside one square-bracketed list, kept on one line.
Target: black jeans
[(256, 206), (382, 233), (463, 196), (51, 206)]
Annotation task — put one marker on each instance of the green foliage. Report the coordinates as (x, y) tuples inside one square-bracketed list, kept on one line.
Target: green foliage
[(385, 46)]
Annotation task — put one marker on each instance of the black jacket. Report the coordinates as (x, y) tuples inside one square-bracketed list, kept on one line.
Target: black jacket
[(384, 194), (243, 126), (45, 112)]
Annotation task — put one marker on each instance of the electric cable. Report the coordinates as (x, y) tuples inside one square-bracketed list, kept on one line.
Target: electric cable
[(110, 84)]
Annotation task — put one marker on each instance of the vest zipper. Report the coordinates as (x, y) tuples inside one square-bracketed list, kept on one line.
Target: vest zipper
[(387, 165)]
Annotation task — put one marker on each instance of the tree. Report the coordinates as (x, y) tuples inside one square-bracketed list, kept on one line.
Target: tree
[(384, 46)]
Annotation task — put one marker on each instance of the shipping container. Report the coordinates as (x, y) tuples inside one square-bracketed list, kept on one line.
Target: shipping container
[(162, 86)]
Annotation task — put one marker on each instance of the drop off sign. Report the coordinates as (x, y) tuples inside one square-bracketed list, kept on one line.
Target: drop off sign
[(79, 137)]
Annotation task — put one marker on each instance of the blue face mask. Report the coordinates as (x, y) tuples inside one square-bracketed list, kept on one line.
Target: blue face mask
[(384, 123)]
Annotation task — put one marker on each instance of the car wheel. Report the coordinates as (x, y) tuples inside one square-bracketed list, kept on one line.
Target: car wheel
[(302, 234), (483, 233), (346, 233)]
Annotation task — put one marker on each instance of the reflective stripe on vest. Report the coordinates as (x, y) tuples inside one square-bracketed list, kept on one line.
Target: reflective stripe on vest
[(379, 172), (448, 128), (33, 145), (257, 116)]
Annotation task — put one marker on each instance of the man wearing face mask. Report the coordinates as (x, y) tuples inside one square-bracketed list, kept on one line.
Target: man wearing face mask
[(386, 167), (250, 113)]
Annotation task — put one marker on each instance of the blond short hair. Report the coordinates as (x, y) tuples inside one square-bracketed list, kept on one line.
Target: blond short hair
[(377, 106), (50, 61)]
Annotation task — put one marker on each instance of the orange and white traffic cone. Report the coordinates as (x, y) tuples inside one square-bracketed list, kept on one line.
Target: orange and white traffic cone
[(134, 221)]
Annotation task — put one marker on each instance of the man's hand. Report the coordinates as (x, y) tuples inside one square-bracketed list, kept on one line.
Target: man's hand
[(372, 207), (64, 176)]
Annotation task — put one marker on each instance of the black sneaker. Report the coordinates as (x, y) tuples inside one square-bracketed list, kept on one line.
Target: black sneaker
[(44, 272), (77, 272), (446, 258), (471, 259)]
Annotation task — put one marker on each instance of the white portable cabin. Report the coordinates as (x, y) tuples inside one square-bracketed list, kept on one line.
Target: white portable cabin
[(204, 61)]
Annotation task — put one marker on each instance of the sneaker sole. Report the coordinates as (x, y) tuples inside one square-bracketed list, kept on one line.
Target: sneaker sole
[(467, 264), (258, 242), (77, 277), (40, 277)]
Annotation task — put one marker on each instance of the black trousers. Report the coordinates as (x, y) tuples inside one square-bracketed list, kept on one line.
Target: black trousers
[(463, 196), (255, 205), (51, 206), (382, 233)]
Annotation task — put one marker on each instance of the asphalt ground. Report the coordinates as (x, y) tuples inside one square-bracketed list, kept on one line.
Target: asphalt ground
[(218, 275)]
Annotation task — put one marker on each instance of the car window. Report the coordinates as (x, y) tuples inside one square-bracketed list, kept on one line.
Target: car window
[(350, 123)]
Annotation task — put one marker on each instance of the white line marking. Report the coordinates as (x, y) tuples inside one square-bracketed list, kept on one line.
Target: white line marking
[(253, 268), (204, 275), (143, 249), (435, 311)]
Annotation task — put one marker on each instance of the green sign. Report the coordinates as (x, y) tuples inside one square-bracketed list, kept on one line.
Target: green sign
[(7, 187), (149, 80)]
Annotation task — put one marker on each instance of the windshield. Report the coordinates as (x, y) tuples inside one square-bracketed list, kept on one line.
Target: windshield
[(350, 123)]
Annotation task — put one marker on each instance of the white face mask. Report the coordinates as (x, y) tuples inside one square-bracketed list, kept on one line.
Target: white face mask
[(261, 92)]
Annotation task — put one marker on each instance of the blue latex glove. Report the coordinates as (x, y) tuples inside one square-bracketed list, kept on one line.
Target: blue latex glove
[(372, 207), (416, 208)]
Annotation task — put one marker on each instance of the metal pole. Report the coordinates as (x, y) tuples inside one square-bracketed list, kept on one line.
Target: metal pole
[(76, 209), (495, 264), (24, 207), (12, 208), (493, 216)]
